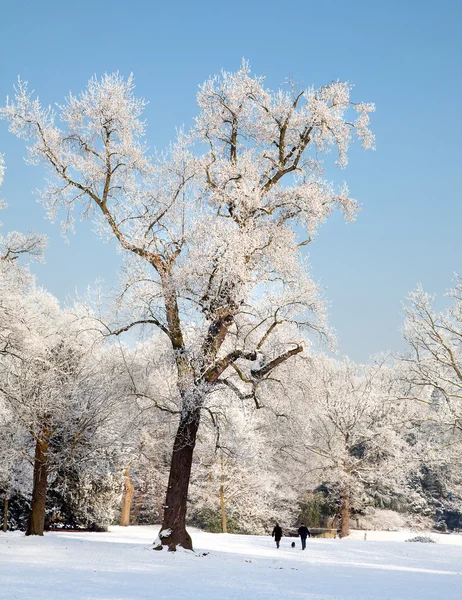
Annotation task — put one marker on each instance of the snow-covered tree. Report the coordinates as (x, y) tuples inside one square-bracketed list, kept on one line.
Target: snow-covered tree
[(235, 472), (210, 228), (432, 372), (14, 275), (15, 472), (354, 427), (434, 495), (14, 282), (434, 361), (59, 386)]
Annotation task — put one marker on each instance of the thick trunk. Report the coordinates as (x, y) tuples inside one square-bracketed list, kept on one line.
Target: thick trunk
[(224, 524), (345, 514), (127, 503), (5, 514), (36, 520), (173, 532)]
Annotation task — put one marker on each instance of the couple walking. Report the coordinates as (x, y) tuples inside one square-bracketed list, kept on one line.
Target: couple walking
[(303, 532)]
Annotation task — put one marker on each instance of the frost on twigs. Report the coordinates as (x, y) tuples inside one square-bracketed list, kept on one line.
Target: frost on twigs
[(433, 364), (214, 225), (218, 214)]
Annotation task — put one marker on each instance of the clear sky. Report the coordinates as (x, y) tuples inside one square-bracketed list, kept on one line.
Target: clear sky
[(404, 55)]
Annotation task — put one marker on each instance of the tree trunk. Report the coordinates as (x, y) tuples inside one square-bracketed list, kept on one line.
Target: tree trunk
[(224, 524), (127, 503), (36, 520), (345, 514), (173, 532), (5, 514)]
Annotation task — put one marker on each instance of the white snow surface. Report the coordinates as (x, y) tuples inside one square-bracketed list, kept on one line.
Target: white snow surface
[(121, 565)]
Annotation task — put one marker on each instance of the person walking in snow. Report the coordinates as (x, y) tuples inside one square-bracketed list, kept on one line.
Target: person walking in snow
[(303, 532), (277, 534)]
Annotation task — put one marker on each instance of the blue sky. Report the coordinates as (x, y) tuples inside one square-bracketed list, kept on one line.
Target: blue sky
[(403, 55)]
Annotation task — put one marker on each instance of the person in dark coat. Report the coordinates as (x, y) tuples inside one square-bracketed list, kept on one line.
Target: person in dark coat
[(277, 534), (303, 532)]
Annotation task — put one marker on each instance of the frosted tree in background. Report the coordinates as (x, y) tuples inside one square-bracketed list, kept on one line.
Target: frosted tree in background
[(433, 376), (15, 280), (14, 467), (235, 474), (59, 387), (355, 426), (434, 362), (210, 227), (14, 276)]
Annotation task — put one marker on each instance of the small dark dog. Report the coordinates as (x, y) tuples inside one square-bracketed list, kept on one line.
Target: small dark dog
[(292, 545)]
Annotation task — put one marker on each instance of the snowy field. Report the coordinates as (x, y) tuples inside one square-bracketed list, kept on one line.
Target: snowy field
[(120, 565)]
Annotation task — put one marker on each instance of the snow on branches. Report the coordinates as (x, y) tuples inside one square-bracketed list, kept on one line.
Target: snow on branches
[(434, 362), (210, 228), (217, 214)]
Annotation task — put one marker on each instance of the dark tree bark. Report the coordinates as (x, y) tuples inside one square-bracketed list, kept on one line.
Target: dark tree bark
[(36, 522), (178, 483)]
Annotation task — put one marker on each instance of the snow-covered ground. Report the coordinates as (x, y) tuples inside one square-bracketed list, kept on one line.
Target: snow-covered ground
[(121, 565)]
